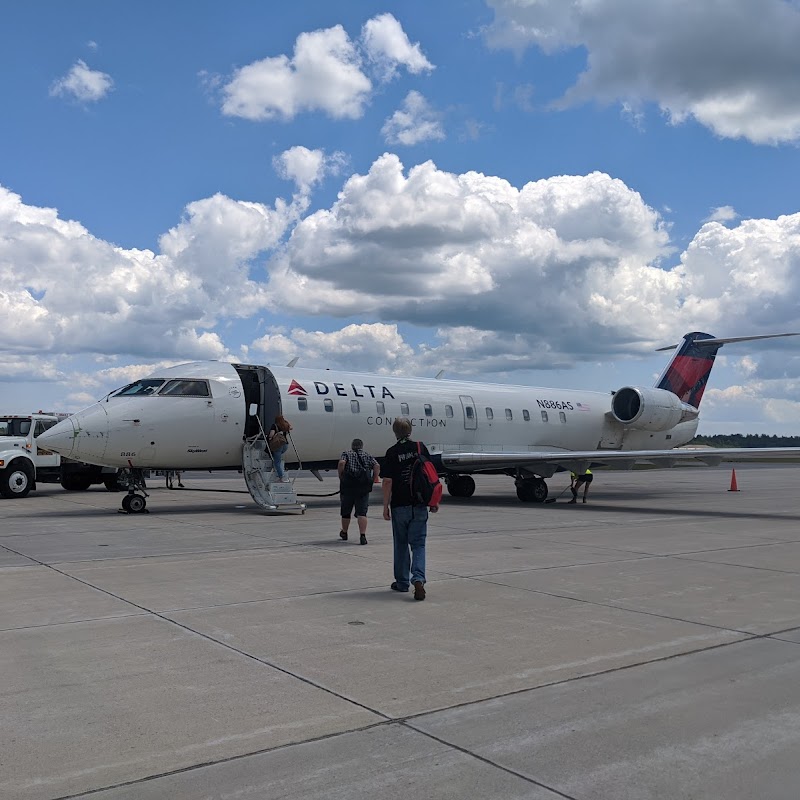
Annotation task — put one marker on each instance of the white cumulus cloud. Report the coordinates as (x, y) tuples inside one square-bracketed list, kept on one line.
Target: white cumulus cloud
[(83, 84), (387, 45), (326, 72), (415, 122), (307, 167), (65, 291), (373, 347)]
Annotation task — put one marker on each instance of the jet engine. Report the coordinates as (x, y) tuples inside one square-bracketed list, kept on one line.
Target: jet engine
[(648, 409)]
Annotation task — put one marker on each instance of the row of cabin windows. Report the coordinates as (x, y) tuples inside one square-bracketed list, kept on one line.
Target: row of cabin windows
[(380, 407)]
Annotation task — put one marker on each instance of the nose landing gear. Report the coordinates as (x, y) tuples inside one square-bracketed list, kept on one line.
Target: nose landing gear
[(133, 503)]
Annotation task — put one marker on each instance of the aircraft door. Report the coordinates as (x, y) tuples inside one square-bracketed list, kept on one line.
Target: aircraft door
[(261, 388), (271, 398), (470, 416)]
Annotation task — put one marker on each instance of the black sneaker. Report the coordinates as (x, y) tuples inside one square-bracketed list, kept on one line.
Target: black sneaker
[(343, 535), (363, 539), (419, 590), (397, 588)]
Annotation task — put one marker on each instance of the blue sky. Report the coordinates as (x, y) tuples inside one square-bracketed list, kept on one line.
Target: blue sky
[(525, 191)]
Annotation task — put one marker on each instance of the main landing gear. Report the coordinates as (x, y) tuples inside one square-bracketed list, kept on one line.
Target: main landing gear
[(460, 485), (133, 502), (531, 490)]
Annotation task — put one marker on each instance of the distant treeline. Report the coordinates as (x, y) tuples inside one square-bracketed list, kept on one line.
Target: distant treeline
[(747, 440)]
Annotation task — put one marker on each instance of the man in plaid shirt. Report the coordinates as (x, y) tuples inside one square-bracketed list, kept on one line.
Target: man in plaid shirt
[(358, 470)]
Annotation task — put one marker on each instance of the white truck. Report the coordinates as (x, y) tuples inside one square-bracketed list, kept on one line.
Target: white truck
[(23, 463)]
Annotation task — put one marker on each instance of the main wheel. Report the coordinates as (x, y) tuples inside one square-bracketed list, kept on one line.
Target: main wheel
[(533, 490), (16, 480), (461, 486)]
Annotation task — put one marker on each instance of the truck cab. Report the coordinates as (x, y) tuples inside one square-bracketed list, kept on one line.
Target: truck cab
[(23, 463)]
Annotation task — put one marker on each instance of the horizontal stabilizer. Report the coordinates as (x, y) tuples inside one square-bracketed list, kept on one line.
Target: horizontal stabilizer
[(720, 342)]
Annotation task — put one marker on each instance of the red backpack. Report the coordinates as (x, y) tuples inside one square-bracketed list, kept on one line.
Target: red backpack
[(426, 489)]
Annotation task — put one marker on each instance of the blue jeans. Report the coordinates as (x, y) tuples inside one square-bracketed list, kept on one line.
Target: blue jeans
[(409, 530), (277, 459)]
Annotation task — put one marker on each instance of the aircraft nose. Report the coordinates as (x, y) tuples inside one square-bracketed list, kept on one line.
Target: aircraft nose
[(60, 438), (83, 436)]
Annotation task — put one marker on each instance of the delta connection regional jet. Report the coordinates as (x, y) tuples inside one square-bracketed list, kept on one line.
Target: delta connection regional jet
[(213, 415)]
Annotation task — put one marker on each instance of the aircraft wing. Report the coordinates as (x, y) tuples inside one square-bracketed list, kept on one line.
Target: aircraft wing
[(547, 462)]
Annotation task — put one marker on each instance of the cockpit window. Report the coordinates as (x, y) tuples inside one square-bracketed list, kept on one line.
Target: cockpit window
[(144, 386), (186, 388)]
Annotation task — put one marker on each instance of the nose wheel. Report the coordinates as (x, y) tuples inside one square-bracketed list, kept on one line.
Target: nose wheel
[(134, 504)]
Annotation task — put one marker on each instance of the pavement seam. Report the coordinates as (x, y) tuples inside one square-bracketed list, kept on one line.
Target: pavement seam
[(217, 642), (485, 760), (619, 608), (743, 566), (408, 722)]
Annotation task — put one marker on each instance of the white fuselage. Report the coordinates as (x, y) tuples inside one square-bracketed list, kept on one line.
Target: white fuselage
[(328, 409)]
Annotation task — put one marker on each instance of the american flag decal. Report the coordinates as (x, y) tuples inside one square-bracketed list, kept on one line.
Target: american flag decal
[(581, 406), (296, 388)]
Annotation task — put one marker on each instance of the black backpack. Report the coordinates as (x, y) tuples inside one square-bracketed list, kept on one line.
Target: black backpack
[(358, 473)]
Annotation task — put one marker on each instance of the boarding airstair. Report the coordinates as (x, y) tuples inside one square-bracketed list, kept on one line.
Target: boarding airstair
[(262, 480)]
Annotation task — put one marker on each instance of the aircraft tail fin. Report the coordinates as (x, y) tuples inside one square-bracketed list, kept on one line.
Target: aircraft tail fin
[(687, 373)]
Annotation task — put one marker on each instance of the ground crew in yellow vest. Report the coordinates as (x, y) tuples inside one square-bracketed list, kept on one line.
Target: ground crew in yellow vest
[(584, 479)]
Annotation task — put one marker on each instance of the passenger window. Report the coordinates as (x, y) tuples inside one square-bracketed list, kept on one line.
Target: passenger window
[(489, 413), (39, 429), (562, 416), (544, 416), (328, 405), (448, 411), (404, 409), (185, 388), (509, 415), (526, 415), (302, 404), (381, 407), (428, 410), (469, 411), (354, 406)]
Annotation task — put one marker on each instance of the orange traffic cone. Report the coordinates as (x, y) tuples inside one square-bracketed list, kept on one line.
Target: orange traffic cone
[(734, 487)]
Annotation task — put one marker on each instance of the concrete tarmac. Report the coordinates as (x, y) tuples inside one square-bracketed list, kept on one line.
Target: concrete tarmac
[(644, 646)]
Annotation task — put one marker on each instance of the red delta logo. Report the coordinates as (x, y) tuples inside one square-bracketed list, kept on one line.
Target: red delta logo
[(296, 388)]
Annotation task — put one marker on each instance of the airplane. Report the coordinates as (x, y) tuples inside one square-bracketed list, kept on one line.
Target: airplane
[(212, 415)]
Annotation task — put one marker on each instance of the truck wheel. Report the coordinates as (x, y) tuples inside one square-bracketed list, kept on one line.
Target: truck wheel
[(16, 480), (113, 485), (75, 483)]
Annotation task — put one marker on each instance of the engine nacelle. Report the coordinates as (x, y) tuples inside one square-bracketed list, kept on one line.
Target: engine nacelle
[(648, 409)]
